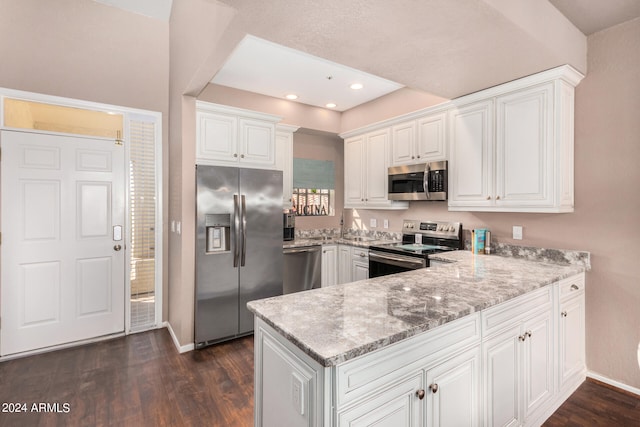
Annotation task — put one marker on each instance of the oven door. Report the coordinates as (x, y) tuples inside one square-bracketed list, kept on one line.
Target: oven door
[(383, 263)]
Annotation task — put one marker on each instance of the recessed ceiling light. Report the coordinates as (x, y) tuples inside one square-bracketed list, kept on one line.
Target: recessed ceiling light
[(356, 86), (291, 96), (331, 105)]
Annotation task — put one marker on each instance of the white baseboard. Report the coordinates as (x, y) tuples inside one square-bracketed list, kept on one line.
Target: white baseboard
[(180, 348), (614, 383)]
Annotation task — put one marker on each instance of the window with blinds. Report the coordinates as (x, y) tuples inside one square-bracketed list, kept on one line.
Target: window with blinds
[(142, 214)]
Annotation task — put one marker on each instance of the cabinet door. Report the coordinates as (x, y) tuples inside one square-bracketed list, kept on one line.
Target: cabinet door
[(216, 139), (538, 385), (502, 378), (524, 148), (354, 171), (257, 143), (431, 144), (403, 144), (359, 269), (284, 162), (397, 405), (344, 264), (377, 164), (471, 163), (329, 265), (571, 342), (453, 391)]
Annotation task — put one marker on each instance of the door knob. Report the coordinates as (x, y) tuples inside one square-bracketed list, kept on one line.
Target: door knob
[(117, 247)]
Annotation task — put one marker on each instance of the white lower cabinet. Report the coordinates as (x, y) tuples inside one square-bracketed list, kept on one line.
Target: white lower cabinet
[(397, 405), (359, 264), (329, 269), (571, 357), (344, 264), (493, 368), (353, 263), (453, 391)]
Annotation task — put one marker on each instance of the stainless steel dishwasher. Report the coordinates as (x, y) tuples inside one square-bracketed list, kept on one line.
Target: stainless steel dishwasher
[(302, 269)]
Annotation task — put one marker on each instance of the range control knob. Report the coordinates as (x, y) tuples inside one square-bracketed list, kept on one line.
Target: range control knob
[(452, 228)]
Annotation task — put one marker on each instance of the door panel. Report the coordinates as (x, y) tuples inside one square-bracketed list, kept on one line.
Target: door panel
[(62, 278)]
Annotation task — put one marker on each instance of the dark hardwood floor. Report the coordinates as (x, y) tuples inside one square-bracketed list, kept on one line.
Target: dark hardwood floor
[(140, 380)]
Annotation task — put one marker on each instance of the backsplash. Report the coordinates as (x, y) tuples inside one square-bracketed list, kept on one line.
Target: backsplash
[(335, 232)]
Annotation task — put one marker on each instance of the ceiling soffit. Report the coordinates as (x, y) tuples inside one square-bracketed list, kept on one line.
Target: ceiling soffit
[(438, 46)]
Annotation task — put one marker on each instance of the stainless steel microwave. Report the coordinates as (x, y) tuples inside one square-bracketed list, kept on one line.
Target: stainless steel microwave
[(424, 181)]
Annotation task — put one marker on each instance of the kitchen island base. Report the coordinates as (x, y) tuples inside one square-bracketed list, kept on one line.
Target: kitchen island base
[(513, 363)]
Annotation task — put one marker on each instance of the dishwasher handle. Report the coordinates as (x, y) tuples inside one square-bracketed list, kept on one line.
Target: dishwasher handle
[(302, 250)]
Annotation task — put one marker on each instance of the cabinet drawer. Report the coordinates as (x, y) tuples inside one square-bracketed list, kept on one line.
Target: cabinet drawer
[(572, 286), (507, 313), (362, 376)]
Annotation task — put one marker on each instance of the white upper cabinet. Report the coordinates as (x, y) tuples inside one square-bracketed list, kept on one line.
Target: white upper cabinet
[(432, 141), (284, 161), (471, 162), (366, 160), (420, 140), (512, 146), (227, 136)]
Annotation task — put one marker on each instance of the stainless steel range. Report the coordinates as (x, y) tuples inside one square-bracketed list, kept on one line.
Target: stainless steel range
[(419, 240)]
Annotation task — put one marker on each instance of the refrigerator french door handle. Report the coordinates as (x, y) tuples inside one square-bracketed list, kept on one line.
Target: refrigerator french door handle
[(236, 223), (244, 232)]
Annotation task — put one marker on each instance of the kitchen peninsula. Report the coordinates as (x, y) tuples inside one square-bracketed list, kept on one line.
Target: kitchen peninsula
[(487, 338)]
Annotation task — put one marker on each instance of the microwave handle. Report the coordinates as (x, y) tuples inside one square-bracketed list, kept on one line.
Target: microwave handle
[(425, 183)]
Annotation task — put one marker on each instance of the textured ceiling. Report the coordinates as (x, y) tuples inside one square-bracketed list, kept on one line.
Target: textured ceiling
[(448, 48), (591, 16)]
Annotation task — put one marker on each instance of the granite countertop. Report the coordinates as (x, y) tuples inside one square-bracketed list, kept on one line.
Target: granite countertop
[(341, 322)]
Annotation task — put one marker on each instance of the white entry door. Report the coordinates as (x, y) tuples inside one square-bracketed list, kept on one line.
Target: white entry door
[(63, 276)]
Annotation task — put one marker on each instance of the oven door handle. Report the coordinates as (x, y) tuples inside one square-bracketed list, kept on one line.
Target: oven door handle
[(400, 261)]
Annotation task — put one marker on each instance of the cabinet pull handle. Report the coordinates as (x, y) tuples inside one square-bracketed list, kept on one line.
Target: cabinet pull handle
[(564, 313), (574, 287), (420, 393), (433, 388)]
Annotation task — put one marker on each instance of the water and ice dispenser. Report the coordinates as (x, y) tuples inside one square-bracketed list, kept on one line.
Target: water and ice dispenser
[(218, 231)]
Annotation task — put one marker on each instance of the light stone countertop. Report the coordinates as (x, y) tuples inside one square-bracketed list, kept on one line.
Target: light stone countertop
[(341, 322)]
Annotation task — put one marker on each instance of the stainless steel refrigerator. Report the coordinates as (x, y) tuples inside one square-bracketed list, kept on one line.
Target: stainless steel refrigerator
[(238, 248)]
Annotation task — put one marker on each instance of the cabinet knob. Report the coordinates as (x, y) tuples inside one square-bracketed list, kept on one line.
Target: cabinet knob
[(362, 254), (242, 156), (497, 197), (574, 287), (522, 337), (418, 155), (235, 154), (413, 157), (433, 388), (420, 393), (528, 334), (488, 197), (564, 313), (366, 200)]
